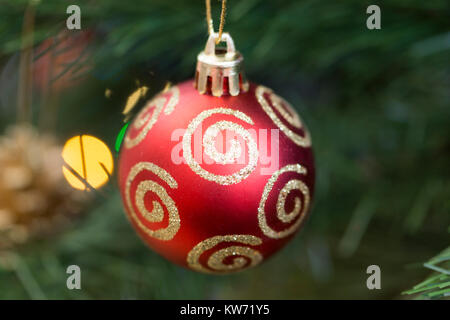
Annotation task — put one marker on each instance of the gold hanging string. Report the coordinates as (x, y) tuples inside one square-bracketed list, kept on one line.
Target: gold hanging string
[(210, 21)]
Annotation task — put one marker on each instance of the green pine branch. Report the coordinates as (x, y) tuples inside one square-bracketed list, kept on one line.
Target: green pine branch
[(436, 286)]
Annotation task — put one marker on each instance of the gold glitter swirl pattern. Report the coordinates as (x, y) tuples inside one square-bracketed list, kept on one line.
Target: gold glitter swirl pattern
[(210, 150), (144, 122), (289, 115), (173, 101), (243, 257), (209, 142), (286, 217), (157, 214)]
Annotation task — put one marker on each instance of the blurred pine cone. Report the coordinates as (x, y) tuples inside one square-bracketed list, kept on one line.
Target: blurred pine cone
[(35, 200)]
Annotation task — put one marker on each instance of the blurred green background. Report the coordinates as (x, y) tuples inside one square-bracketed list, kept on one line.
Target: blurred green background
[(377, 103)]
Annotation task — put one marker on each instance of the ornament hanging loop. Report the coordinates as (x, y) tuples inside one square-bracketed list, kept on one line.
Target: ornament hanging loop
[(210, 48), (209, 19)]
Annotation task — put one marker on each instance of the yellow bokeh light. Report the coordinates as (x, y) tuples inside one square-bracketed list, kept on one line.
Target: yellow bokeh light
[(90, 158)]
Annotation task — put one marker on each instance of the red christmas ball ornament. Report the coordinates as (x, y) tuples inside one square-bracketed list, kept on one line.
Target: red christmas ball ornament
[(57, 54), (217, 174)]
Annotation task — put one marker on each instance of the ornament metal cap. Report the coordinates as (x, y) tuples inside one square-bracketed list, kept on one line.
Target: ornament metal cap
[(220, 70)]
